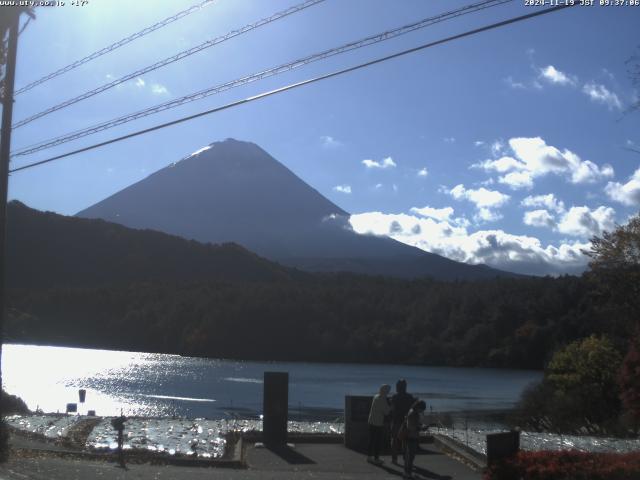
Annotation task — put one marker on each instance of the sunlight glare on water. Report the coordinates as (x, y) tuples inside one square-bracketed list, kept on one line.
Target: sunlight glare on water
[(49, 377), (148, 384)]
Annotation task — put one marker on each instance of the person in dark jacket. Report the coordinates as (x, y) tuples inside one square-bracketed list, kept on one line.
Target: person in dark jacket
[(400, 404)]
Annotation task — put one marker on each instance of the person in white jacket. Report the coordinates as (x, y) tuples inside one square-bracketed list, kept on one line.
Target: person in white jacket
[(380, 408)]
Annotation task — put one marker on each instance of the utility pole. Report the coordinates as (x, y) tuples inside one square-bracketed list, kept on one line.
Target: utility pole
[(5, 149)]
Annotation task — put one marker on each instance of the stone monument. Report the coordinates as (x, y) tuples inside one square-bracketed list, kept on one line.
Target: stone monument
[(356, 425), (275, 408)]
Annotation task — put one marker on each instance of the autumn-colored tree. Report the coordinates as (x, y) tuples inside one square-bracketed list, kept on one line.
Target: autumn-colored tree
[(579, 391), (584, 379), (615, 273), (615, 268), (618, 250), (584, 364)]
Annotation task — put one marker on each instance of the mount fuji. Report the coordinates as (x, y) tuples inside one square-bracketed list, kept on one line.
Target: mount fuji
[(234, 191)]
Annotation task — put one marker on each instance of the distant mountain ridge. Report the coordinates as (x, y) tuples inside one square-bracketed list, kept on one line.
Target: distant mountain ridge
[(49, 250), (233, 191)]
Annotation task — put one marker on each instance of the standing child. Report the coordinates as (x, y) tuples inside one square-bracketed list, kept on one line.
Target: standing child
[(414, 422)]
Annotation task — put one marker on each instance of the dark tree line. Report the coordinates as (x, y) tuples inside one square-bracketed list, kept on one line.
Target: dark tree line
[(341, 317)]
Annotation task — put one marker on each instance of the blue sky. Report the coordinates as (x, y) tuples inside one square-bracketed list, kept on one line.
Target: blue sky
[(511, 147)]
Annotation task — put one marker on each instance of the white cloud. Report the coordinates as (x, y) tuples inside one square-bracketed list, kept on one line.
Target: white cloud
[(583, 222), (330, 142), (517, 180), (140, 82), (487, 215), (599, 93), (378, 185), (501, 165), (540, 159), (588, 172), (627, 193), (371, 164), (539, 218), (577, 222), (549, 201), (478, 143), (518, 253), (555, 76), (423, 172), (435, 213), (481, 197), (486, 201), (449, 140), (550, 75), (532, 158), (158, 89), (384, 164), (343, 188)]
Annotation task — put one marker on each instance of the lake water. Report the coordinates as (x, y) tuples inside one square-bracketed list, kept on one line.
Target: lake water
[(144, 384), (227, 395)]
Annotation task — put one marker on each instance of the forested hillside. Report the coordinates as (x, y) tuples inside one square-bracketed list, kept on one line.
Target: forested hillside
[(502, 323), (92, 283)]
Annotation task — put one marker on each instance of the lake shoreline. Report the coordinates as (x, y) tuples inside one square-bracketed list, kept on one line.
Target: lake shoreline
[(258, 360)]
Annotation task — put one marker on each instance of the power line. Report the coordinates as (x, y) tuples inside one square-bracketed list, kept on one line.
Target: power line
[(118, 44), (46, 144), (169, 60), (256, 76), (296, 85)]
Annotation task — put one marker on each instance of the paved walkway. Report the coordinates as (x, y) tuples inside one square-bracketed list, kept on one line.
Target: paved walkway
[(336, 461), (305, 461)]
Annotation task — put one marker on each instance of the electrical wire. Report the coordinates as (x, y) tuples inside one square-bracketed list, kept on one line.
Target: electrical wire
[(296, 85), (114, 46), (169, 60), (46, 144)]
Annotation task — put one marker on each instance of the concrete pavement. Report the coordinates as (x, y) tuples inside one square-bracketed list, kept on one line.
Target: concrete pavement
[(304, 461)]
